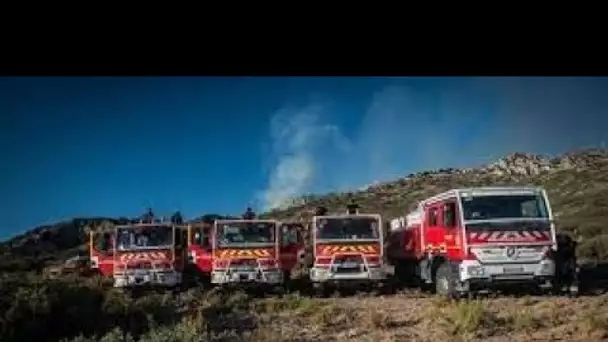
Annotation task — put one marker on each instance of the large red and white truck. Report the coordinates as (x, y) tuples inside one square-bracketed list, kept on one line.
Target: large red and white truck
[(464, 240)]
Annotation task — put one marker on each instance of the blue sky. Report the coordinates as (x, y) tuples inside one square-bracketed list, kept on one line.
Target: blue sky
[(112, 146)]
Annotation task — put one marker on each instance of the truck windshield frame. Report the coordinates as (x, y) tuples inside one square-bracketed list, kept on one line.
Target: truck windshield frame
[(504, 207), (343, 229), (244, 234), (138, 238)]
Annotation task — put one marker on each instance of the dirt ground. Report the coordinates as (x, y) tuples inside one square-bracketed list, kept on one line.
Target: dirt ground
[(416, 317)]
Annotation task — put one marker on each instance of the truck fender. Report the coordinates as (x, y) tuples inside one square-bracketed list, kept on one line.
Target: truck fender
[(453, 266)]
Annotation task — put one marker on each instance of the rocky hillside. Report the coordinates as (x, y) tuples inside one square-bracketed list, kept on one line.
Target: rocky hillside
[(577, 183)]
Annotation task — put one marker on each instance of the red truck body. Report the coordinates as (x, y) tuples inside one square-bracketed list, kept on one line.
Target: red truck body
[(155, 262), (476, 237), (266, 257), (347, 250)]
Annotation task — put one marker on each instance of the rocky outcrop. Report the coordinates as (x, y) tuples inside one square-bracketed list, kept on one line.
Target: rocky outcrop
[(391, 198)]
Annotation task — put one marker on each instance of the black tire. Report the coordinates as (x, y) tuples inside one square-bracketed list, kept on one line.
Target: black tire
[(389, 287), (445, 284), (321, 290)]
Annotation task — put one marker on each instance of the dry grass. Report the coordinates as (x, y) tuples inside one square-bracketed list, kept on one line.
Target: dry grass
[(399, 318), (402, 318), (195, 315)]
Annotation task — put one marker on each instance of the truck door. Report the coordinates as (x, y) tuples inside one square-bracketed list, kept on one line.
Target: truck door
[(101, 248), (289, 246), (200, 247), (434, 239), (452, 230)]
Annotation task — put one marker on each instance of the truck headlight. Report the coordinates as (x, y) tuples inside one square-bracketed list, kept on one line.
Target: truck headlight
[(319, 272), (475, 271), (547, 267), (376, 271)]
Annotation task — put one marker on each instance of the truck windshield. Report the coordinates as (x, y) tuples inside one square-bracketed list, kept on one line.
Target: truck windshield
[(231, 234), (503, 207), (351, 228), (148, 237)]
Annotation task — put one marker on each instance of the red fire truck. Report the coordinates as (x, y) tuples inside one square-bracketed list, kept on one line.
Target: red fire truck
[(140, 254), (465, 240), (248, 250), (347, 250)]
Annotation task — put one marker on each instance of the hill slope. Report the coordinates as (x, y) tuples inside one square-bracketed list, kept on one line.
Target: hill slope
[(577, 184)]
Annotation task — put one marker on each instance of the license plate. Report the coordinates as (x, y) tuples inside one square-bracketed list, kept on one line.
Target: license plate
[(512, 270), (349, 265)]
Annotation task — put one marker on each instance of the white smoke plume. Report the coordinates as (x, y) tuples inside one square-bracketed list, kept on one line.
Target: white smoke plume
[(297, 135), (406, 128)]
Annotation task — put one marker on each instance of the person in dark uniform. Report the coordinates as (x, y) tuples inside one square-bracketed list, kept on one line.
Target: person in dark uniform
[(321, 211), (566, 263), (249, 214), (148, 216), (352, 208)]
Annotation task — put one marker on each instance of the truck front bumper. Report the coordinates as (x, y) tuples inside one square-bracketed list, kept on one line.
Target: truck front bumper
[(153, 278), (473, 274), (327, 275), (271, 277)]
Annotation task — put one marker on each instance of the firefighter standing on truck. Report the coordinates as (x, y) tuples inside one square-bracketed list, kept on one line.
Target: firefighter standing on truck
[(249, 214)]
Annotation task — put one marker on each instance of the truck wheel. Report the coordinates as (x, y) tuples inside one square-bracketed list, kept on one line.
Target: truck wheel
[(321, 290), (388, 287), (444, 281)]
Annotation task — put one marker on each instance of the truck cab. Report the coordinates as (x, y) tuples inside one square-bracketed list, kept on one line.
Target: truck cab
[(246, 251), (264, 251), (472, 239), (148, 254), (347, 249)]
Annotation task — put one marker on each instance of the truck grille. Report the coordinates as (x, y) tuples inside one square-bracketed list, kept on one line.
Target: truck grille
[(243, 263), (348, 264), (139, 266)]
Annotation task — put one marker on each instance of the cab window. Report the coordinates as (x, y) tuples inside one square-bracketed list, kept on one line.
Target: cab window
[(432, 217), (449, 214)]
